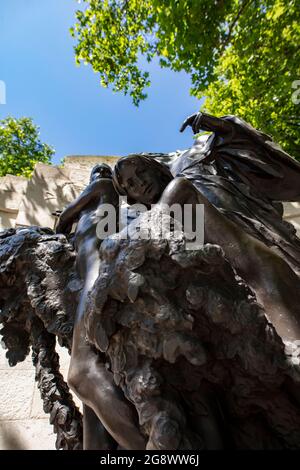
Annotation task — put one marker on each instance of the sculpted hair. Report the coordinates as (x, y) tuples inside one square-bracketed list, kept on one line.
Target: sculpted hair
[(100, 166)]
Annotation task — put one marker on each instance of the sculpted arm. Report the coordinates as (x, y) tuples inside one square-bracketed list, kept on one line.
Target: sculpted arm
[(71, 213), (206, 122)]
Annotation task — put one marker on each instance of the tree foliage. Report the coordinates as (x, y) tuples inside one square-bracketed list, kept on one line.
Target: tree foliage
[(20, 147), (258, 71), (243, 55)]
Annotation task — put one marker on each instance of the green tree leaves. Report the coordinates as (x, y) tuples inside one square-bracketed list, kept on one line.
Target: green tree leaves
[(243, 55), (20, 147), (111, 35), (257, 71)]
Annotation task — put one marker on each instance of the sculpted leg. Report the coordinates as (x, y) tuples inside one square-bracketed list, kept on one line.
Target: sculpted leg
[(91, 381), (95, 436), (93, 384)]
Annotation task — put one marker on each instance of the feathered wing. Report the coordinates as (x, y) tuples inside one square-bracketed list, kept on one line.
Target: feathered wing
[(191, 347), (39, 290)]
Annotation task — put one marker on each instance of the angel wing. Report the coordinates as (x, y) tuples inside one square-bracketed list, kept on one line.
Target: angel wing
[(190, 347), (39, 286)]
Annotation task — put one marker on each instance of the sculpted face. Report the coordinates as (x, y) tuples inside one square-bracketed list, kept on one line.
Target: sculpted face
[(141, 181)]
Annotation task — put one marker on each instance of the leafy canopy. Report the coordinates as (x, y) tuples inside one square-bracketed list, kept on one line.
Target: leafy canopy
[(257, 73), (20, 147), (243, 55)]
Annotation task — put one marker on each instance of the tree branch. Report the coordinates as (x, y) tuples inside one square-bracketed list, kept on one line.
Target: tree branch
[(227, 40)]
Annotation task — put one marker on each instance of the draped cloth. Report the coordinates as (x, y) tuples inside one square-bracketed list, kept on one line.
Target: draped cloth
[(246, 176)]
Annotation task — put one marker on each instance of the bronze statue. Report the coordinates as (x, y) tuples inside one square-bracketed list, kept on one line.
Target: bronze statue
[(236, 213), (171, 349)]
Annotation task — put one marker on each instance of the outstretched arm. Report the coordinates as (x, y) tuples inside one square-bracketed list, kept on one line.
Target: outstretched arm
[(256, 160), (206, 122)]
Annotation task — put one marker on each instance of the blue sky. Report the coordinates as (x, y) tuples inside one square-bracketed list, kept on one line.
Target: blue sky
[(75, 114)]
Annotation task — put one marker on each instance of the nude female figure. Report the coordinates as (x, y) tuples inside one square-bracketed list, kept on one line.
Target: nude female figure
[(109, 419)]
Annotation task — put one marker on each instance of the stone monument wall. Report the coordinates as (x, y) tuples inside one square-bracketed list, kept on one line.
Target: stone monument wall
[(25, 202)]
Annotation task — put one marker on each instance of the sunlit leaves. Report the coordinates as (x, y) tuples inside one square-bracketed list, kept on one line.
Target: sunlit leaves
[(20, 147), (257, 72), (243, 55), (113, 34)]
